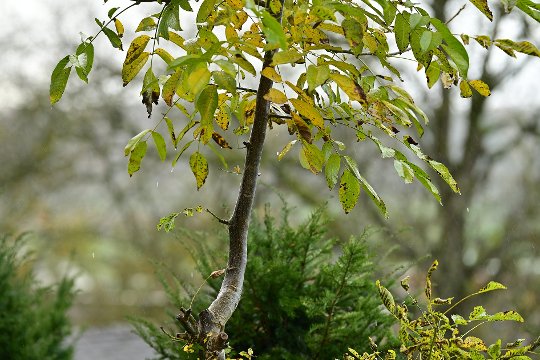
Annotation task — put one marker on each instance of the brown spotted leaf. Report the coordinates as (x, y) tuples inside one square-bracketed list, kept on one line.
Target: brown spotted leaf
[(220, 141)]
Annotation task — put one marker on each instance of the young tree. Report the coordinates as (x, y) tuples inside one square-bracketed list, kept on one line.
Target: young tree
[(343, 53)]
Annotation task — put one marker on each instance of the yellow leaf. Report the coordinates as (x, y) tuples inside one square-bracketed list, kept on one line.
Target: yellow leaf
[(136, 48), (275, 96), (353, 90), (239, 18), (199, 167), (286, 57), (169, 88), (465, 89), (309, 111), (197, 80), (481, 87), (235, 4), (119, 27), (286, 149), (131, 69), (249, 112), (271, 73), (164, 55)]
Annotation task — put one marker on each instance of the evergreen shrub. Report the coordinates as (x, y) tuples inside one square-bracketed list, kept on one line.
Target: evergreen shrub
[(33, 319), (306, 296)]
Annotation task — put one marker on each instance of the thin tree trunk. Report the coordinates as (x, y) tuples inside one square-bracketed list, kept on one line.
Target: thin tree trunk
[(209, 331)]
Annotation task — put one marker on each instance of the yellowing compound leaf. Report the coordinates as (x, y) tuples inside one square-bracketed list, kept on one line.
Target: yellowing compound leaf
[(465, 89), (275, 96), (353, 90), (481, 87), (131, 69), (482, 5), (286, 57), (146, 24), (169, 88), (317, 75), (199, 167), (136, 48), (349, 191), (308, 111), (313, 156), (286, 149), (271, 73)]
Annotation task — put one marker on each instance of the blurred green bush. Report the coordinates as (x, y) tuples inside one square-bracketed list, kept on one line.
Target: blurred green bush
[(33, 319)]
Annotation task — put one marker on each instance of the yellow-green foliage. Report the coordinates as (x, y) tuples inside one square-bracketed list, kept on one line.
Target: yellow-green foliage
[(440, 334)]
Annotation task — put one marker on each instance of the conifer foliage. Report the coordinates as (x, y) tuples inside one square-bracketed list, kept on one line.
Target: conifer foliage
[(301, 299)]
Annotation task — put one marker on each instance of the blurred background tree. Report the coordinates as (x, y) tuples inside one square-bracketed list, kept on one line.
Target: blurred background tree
[(63, 175)]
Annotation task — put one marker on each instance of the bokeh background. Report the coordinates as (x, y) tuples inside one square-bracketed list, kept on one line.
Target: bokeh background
[(63, 176)]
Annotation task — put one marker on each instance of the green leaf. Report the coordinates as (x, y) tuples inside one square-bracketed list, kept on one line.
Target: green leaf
[(170, 127), (459, 320), (160, 145), (443, 171), (167, 223), (286, 57), (199, 167), (402, 31), (224, 81), (205, 10), (433, 72), (349, 191), (170, 19), (85, 57), (453, 47), (184, 148), (317, 75), (482, 5), (386, 297), (134, 141), (404, 171), (430, 40), (207, 103), (331, 170), (114, 39), (244, 64), (136, 157), (367, 187), (530, 8), (492, 285), (275, 36), (494, 350), (59, 78)]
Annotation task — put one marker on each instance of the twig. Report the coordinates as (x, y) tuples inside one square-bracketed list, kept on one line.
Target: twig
[(223, 221), (456, 14)]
